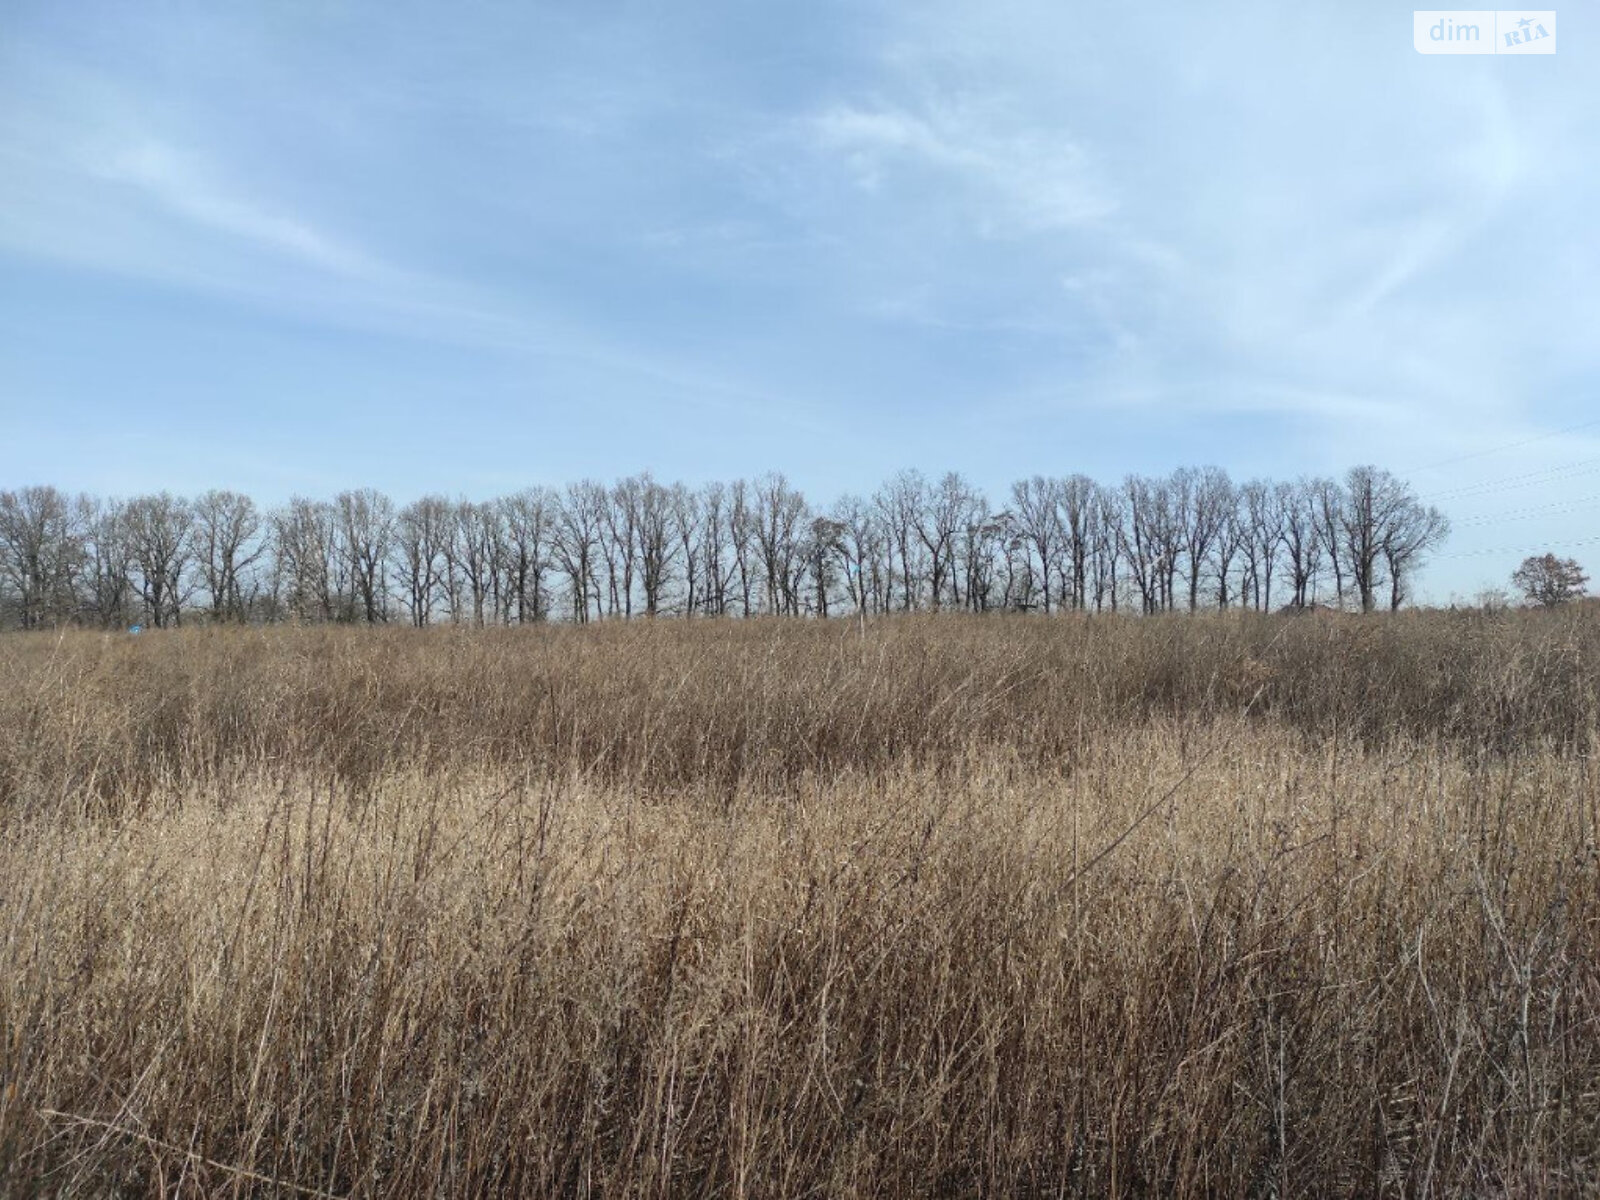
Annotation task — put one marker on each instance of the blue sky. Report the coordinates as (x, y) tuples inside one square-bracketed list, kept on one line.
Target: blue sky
[(299, 247)]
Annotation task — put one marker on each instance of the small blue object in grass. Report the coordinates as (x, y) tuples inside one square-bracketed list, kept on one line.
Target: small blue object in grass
[(136, 629)]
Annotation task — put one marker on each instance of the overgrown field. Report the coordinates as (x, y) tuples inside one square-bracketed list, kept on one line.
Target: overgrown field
[(1212, 906)]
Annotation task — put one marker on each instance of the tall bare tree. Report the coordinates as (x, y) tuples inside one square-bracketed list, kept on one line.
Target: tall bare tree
[(159, 528), (366, 532), (1302, 545), (227, 544), (656, 541), (1205, 500), (1263, 520), (42, 532), (108, 567), (780, 513), (528, 519), (1376, 504), (580, 527), (1412, 531), (421, 533), (1036, 507)]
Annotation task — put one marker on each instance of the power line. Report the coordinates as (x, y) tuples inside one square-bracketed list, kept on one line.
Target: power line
[(1538, 437), (1523, 550), (1587, 466), (1557, 509)]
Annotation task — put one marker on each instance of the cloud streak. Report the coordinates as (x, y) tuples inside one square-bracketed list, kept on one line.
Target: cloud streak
[(1023, 180)]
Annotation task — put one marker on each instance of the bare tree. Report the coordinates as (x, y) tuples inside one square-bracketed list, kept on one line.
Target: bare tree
[(1302, 545), (940, 515), (861, 549), (1231, 540), (899, 504), (619, 545), (1263, 521), (528, 521), (42, 535), (108, 566), (742, 522), (421, 533), (683, 506), (823, 545), (1382, 519), (749, 547), (1328, 501), (366, 521), (721, 565), (1077, 501), (779, 513), (580, 526), (1205, 500), (982, 548), (159, 528), (227, 543), (1036, 506), (655, 535), (1413, 529), (1147, 540), (472, 555), (1107, 537)]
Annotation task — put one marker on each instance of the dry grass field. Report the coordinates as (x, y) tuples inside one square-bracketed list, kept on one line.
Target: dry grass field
[(1221, 906)]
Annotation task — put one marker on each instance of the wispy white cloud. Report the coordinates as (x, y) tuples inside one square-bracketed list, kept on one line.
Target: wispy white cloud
[(183, 185), (1025, 179)]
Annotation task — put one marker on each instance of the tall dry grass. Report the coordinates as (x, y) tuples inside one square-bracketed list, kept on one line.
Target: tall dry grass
[(111, 719), (1007, 908)]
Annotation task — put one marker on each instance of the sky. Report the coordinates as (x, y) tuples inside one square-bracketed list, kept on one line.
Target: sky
[(293, 248)]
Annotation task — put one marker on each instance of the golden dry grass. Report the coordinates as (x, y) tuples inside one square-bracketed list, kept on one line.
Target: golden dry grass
[(1006, 908)]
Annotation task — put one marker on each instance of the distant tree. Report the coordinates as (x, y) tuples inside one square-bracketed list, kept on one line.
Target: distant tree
[(159, 530), (742, 548), (716, 541), (861, 546), (1036, 512), (1147, 540), (823, 547), (899, 503), (366, 529), (1384, 527), (580, 525), (1263, 517), (1303, 548), (421, 533), (307, 558), (1549, 581), (619, 545), (1205, 501), (41, 549), (1327, 501), (1413, 530), (984, 546), (945, 509), (688, 523), (1105, 545), (742, 540), (780, 515), (226, 545), (474, 551), (529, 522), (108, 568), (655, 533)]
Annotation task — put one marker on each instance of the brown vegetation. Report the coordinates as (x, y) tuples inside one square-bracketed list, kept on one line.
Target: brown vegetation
[(1018, 907)]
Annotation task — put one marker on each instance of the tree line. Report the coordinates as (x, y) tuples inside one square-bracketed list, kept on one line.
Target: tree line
[(640, 547)]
